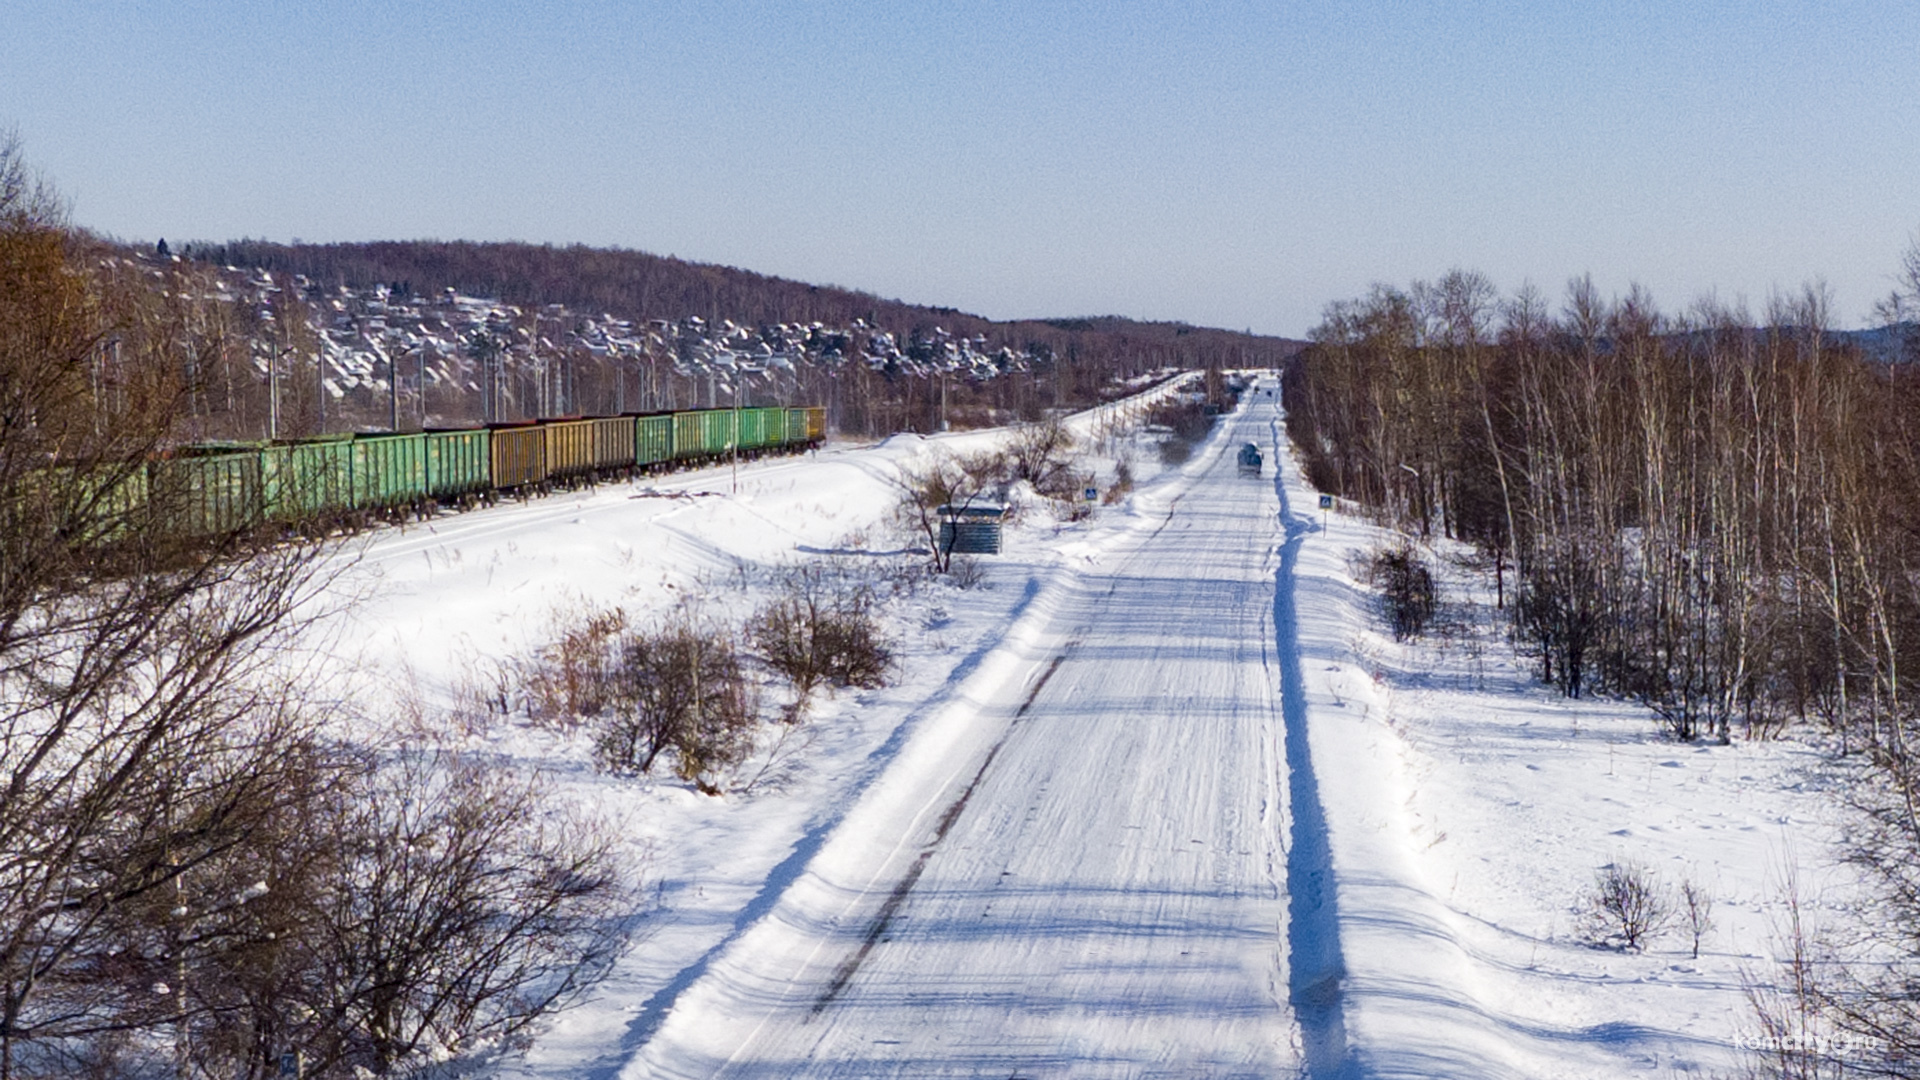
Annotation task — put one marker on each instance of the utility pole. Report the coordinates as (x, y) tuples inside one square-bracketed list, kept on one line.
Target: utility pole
[(274, 356), (539, 369)]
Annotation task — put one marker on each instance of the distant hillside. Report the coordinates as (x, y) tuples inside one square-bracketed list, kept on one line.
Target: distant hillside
[(299, 339), (1886, 344), (637, 285)]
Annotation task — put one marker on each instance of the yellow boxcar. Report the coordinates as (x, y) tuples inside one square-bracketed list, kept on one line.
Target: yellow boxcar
[(569, 448), (519, 456), (612, 444)]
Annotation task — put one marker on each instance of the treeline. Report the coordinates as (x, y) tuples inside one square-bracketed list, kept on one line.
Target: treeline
[(1713, 518), (1716, 518)]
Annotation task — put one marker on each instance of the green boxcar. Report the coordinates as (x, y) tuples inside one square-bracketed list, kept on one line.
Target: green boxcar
[(704, 434), (689, 438), (87, 504), (796, 427), (612, 443), (389, 471), (308, 480), (569, 448), (776, 421), (204, 492), (653, 439), (459, 464), (519, 456), (773, 428), (753, 428)]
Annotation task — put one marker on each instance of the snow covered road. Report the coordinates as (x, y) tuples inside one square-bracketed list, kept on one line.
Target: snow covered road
[(1086, 876)]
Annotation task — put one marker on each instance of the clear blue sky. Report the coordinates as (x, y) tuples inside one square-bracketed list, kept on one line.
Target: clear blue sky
[(1230, 164)]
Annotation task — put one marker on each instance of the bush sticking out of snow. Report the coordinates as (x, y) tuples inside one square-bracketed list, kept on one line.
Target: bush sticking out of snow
[(820, 632), (1186, 422), (1627, 906), (1408, 594), (573, 677), (1696, 907), (678, 687), (1122, 482), (965, 572), (1042, 455), (455, 911)]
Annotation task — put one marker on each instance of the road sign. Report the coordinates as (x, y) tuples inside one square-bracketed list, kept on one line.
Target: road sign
[(1326, 502)]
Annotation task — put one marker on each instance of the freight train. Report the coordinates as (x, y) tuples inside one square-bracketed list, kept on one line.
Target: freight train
[(217, 488)]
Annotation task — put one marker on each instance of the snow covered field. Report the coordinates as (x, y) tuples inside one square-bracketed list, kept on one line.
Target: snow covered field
[(1158, 798)]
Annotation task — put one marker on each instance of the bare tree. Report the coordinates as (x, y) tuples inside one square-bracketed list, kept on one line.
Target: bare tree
[(142, 723), (455, 913), (939, 492)]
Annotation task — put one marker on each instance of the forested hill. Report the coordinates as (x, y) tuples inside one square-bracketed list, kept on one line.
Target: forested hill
[(638, 285)]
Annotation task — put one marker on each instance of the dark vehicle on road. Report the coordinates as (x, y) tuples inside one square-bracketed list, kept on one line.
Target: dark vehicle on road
[(1249, 460)]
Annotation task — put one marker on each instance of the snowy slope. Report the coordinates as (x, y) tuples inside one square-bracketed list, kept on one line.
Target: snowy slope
[(441, 604), (1159, 798)]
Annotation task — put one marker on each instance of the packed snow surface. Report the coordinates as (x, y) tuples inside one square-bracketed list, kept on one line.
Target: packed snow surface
[(1156, 798)]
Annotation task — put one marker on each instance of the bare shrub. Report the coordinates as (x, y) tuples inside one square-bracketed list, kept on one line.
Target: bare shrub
[(455, 912), (1187, 420), (376, 919), (1039, 454), (966, 572), (1408, 594), (1122, 482), (570, 679), (1793, 1016), (186, 951), (1696, 908), (1068, 487), (821, 632), (1626, 907), (482, 691), (677, 687), (1871, 1010)]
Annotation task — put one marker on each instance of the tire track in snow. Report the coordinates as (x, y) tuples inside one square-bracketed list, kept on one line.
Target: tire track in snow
[(850, 966), (1316, 967)]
